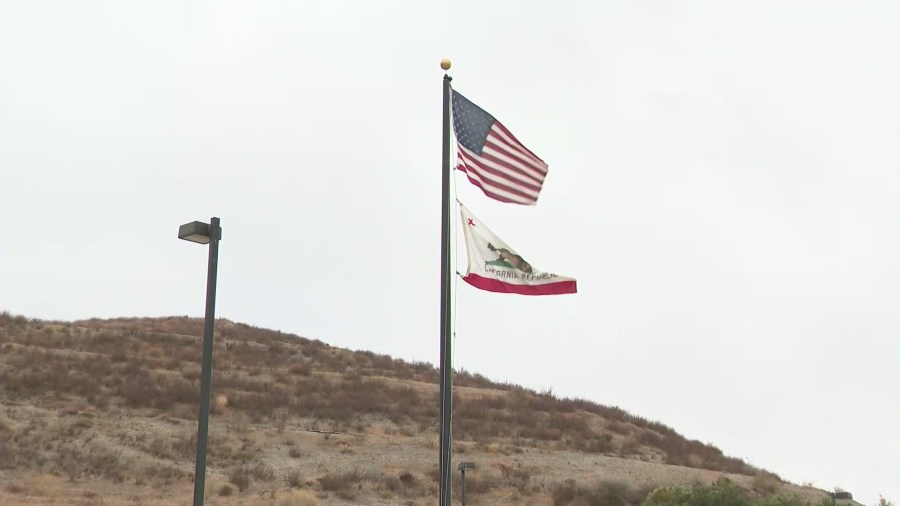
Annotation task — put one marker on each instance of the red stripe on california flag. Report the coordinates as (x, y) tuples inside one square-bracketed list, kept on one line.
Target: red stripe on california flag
[(494, 285)]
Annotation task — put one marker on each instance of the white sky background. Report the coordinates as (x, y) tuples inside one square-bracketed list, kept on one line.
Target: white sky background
[(723, 183)]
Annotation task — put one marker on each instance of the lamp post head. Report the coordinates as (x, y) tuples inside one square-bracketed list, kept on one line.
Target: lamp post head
[(195, 231)]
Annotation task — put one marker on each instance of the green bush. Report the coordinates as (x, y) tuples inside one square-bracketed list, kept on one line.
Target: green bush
[(721, 493)]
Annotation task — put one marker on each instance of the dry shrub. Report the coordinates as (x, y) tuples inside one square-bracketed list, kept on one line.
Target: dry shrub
[(262, 472), (407, 478), (100, 460), (16, 488), (606, 493), (403, 484), (294, 478), (478, 484), (342, 481), (185, 445), (225, 491), (516, 477), (159, 448), (766, 483), (393, 484), (238, 422), (694, 460), (619, 427), (630, 446), (598, 444), (301, 369), (240, 478), (298, 498)]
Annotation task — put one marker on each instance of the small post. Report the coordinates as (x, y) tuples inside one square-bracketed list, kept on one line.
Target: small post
[(840, 494), (463, 486), (462, 469)]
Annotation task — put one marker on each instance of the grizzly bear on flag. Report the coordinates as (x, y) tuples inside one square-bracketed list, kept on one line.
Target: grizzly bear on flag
[(514, 260)]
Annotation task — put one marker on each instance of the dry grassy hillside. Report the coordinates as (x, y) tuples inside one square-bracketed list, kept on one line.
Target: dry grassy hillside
[(104, 412)]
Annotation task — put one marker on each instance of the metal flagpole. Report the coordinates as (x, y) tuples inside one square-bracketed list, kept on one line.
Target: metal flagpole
[(446, 392)]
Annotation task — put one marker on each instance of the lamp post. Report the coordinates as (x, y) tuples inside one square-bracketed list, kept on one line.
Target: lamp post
[(203, 233), (462, 469)]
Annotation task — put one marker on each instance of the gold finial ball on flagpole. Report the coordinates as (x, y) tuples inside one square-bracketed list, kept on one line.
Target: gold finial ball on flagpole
[(445, 64)]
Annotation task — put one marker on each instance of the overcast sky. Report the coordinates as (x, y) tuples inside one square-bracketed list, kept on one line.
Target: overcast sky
[(723, 184)]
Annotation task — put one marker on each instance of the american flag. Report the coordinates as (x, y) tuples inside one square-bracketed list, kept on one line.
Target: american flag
[(492, 158)]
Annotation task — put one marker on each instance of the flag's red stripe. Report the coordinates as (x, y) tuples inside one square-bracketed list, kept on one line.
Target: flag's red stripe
[(521, 146), (494, 285), (496, 176), (496, 143), (514, 147), (495, 196), (477, 166), (501, 156), (535, 178), (495, 187), (501, 198), (493, 190)]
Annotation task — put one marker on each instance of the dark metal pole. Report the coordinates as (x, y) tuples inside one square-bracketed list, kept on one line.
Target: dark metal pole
[(446, 373), (215, 233), (463, 486)]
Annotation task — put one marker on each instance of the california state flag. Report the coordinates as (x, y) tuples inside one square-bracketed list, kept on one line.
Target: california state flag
[(495, 267)]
